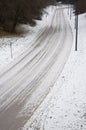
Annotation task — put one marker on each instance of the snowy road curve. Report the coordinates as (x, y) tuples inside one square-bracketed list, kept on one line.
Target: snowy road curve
[(25, 83)]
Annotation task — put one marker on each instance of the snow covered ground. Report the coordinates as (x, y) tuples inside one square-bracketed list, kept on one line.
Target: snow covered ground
[(65, 107)]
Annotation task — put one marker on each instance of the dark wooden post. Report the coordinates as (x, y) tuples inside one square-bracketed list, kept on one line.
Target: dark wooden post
[(76, 40)]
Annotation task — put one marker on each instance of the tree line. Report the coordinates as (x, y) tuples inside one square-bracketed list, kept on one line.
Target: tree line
[(14, 12), (79, 5)]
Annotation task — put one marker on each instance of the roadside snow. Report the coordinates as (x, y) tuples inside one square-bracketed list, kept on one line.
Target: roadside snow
[(65, 107)]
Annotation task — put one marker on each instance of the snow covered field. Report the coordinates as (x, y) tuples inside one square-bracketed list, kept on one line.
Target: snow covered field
[(65, 106)]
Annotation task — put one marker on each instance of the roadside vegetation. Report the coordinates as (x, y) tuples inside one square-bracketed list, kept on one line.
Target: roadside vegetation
[(79, 5), (15, 12)]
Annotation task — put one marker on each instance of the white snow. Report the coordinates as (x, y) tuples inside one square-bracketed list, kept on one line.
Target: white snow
[(25, 82), (65, 106)]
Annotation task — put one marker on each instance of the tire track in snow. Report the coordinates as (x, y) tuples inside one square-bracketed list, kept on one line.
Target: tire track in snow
[(26, 89), (8, 81)]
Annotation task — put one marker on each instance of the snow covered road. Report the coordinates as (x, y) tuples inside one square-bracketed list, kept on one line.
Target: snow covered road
[(25, 83)]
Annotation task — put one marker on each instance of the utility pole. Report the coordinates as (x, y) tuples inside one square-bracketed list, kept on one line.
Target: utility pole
[(76, 26)]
